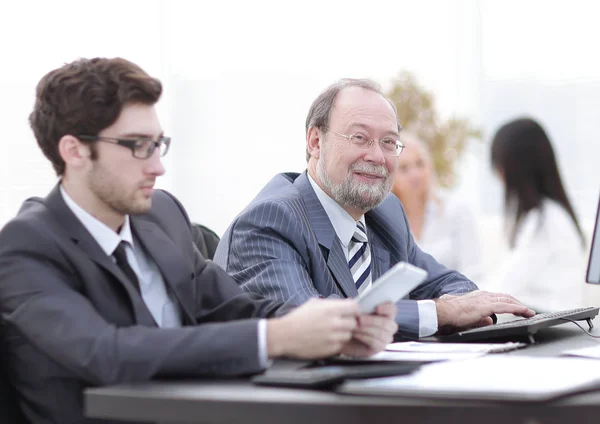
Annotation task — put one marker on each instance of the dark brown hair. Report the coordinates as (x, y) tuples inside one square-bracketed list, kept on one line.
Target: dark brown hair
[(522, 151), (84, 97)]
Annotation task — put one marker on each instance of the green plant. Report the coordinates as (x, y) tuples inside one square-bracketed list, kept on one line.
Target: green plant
[(446, 139)]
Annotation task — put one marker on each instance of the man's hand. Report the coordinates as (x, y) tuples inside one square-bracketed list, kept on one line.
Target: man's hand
[(317, 329), (373, 332), (474, 309)]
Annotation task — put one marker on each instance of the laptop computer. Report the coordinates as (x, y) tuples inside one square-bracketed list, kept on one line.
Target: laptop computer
[(525, 329)]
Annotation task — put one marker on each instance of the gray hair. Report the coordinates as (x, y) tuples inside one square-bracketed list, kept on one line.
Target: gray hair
[(320, 110)]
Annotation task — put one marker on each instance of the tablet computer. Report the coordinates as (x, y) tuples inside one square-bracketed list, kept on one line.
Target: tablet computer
[(392, 286), (327, 377)]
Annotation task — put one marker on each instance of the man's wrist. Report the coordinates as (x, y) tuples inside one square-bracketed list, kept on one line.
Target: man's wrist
[(444, 319), (275, 338)]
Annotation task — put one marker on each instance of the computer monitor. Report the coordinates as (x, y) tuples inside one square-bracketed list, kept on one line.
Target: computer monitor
[(593, 271)]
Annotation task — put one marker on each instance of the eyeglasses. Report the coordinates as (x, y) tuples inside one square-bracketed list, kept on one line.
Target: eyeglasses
[(389, 145), (141, 148)]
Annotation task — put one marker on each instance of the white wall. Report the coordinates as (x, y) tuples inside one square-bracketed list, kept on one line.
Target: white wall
[(239, 77), (241, 86), (538, 59), (38, 36)]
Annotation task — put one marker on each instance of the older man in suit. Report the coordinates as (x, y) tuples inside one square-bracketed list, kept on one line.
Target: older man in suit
[(100, 282), (332, 230)]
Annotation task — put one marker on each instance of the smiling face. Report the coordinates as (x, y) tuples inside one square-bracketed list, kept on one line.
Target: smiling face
[(111, 183), (358, 179)]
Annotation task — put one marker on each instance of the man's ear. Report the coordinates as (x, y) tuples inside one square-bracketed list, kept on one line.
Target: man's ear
[(73, 152), (314, 140)]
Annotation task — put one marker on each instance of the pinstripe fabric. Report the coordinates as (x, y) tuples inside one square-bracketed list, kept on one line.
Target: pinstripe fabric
[(283, 246)]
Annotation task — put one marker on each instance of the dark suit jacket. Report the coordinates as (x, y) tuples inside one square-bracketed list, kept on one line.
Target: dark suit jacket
[(73, 320), (284, 246), (205, 239)]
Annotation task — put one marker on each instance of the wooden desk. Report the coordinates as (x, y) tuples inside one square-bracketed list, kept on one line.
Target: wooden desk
[(238, 401)]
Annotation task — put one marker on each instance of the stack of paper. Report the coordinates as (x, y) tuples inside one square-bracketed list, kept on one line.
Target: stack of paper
[(429, 352), (424, 356), (454, 347), (497, 377)]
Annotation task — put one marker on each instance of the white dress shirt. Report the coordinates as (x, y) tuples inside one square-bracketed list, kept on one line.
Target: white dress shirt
[(450, 235), (344, 226), (545, 269)]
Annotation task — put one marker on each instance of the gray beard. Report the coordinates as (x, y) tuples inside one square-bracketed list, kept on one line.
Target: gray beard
[(350, 194)]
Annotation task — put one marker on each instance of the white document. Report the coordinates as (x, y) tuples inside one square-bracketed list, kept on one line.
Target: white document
[(424, 356), (586, 352), (433, 347), (497, 377)]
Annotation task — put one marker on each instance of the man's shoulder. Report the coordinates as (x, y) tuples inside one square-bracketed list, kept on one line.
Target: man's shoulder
[(390, 203), (279, 205), (390, 210), (166, 210), (32, 213), (162, 199), (280, 188), (32, 224), (280, 192)]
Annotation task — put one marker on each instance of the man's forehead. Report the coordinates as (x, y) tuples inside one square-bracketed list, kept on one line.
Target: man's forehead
[(137, 119), (357, 101)]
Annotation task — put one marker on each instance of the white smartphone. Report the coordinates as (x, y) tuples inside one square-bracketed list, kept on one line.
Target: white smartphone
[(392, 286)]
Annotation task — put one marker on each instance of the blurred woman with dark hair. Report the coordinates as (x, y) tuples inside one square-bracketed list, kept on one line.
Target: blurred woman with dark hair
[(545, 267)]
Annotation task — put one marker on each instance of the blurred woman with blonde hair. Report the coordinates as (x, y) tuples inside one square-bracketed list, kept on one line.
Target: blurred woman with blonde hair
[(442, 224)]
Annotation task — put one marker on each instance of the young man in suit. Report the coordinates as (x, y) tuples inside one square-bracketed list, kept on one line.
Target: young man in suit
[(99, 281), (332, 230)]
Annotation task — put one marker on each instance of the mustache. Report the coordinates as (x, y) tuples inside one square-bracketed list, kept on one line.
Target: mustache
[(379, 170)]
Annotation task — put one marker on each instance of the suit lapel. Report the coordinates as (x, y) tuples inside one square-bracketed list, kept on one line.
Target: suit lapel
[(326, 237), (84, 241), (338, 265), (381, 255), (164, 252)]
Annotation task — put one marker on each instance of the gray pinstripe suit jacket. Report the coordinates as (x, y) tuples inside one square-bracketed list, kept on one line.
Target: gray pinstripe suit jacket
[(284, 246)]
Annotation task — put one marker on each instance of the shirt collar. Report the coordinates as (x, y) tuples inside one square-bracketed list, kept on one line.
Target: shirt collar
[(104, 236), (343, 223)]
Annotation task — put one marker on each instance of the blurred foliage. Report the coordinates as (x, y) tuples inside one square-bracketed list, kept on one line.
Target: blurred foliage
[(446, 139)]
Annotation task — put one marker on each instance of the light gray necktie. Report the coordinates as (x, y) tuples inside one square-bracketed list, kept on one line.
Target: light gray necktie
[(359, 261)]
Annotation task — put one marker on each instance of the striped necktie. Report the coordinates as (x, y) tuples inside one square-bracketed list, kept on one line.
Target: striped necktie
[(359, 256)]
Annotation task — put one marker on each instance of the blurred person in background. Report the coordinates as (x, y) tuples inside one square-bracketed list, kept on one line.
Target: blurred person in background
[(442, 224), (545, 265)]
